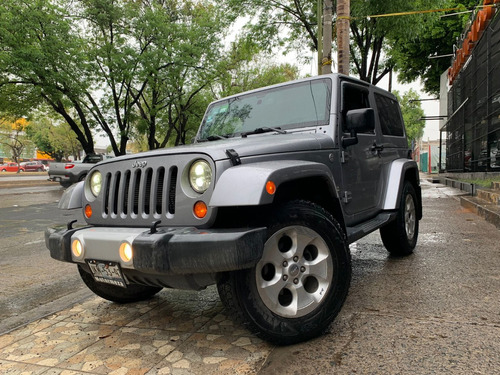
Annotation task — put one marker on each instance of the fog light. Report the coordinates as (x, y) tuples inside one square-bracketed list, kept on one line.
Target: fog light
[(77, 248), (126, 252), (200, 209), (88, 211)]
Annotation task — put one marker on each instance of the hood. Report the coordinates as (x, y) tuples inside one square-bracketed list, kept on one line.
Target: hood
[(252, 145)]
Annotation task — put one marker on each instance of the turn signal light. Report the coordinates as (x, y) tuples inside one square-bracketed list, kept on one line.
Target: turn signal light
[(88, 211), (200, 209), (270, 187)]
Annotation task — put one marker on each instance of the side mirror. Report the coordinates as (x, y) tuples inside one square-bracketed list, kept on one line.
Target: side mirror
[(358, 120)]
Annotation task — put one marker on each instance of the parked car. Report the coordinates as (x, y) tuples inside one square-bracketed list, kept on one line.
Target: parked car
[(11, 167), (278, 183), (34, 166), (69, 173)]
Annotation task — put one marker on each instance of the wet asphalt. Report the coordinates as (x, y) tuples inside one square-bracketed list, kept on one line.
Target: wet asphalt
[(434, 312)]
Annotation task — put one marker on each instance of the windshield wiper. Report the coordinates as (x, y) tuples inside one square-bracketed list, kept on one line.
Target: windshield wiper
[(263, 130)]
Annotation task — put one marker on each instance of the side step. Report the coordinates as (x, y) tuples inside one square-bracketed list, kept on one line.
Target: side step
[(361, 230)]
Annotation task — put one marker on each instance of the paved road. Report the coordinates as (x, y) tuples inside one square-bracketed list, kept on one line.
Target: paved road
[(435, 312)]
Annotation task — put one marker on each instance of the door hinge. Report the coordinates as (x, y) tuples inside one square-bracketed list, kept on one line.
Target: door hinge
[(347, 197)]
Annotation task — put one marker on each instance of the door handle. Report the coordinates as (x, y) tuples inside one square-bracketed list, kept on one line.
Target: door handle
[(376, 147)]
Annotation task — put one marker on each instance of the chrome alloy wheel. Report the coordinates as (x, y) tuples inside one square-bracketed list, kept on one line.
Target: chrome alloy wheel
[(410, 217), (295, 272)]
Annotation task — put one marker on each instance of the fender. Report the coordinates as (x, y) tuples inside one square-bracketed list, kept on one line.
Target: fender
[(397, 172), (72, 197), (249, 181)]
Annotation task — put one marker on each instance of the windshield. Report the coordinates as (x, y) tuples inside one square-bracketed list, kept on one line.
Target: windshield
[(296, 105)]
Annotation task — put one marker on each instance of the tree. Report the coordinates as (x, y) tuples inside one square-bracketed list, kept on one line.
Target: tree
[(42, 58), (12, 136), (379, 45), (110, 66), (412, 114), (184, 56), (411, 56), (372, 35), (247, 68), (53, 137), (289, 24)]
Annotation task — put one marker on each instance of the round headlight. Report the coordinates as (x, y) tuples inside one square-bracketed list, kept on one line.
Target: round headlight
[(96, 183), (200, 176)]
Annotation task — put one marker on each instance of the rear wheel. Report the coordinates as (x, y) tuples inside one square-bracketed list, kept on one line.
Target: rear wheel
[(132, 293), (400, 236), (301, 282)]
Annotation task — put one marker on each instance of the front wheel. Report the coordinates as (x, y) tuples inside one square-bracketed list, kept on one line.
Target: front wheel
[(133, 292), (301, 282), (400, 236)]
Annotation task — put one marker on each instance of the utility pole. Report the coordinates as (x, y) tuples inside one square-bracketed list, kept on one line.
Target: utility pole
[(326, 60), (319, 16), (343, 17)]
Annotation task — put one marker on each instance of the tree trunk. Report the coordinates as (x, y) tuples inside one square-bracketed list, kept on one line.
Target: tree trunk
[(343, 15)]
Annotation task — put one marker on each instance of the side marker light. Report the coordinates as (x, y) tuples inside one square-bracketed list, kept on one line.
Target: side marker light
[(270, 187), (88, 211)]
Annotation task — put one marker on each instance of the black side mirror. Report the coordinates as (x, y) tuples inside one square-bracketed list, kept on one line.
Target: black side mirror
[(358, 120)]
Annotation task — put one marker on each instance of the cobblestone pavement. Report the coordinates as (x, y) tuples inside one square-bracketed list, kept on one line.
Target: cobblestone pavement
[(177, 332), (435, 312)]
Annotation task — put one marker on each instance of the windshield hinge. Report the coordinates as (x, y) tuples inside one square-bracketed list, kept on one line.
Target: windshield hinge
[(233, 155)]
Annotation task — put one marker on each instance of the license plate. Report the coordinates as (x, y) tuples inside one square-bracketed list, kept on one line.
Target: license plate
[(107, 272)]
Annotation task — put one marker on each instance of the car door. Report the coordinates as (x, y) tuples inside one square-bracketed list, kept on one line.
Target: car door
[(360, 162)]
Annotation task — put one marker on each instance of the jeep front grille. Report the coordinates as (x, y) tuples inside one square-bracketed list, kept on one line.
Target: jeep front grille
[(146, 193)]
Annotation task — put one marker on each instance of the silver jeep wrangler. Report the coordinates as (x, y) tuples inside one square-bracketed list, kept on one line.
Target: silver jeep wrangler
[(278, 183)]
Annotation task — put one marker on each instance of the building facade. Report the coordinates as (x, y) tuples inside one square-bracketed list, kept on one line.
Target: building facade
[(473, 122)]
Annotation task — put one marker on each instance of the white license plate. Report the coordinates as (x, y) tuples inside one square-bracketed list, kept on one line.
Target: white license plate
[(107, 272)]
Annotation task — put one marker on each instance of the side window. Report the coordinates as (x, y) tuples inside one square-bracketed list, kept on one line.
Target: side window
[(389, 115), (353, 97)]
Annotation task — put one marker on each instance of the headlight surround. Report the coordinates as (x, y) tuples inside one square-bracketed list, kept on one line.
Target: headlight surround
[(95, 183), (200, 176)]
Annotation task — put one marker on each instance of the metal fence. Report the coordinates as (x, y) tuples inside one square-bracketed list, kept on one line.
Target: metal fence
[(473, 127)]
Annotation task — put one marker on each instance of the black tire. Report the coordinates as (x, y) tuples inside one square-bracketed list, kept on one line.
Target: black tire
[(400, 236), (133, 292), (301, 282)]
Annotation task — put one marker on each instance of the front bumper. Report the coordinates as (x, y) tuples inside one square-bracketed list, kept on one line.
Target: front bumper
[(169, 251)]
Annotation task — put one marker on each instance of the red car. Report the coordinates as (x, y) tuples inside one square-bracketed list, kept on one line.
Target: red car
[(34, 166), (11, 167)]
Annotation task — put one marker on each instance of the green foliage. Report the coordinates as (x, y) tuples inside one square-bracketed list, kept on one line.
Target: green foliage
[(52, 137), (123, 68), (246, 68), (412, 113), (371, 56), (291, 24), (128, 70), (411, 55), (12, 136)]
